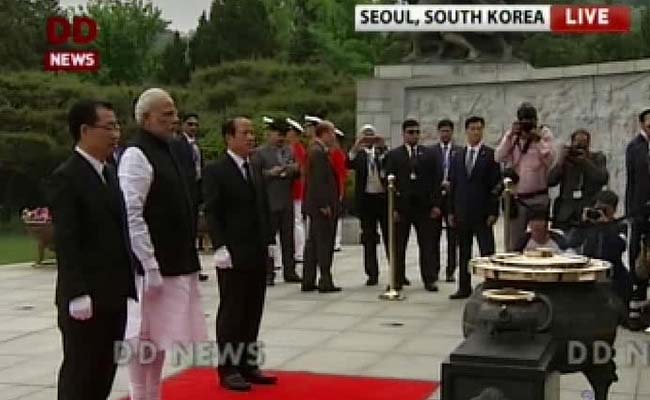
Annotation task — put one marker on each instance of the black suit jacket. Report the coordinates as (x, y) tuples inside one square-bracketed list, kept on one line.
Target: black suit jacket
[(321, 187), (637, 189), (237, 215), (92, 242), (185, 154), (423, 193), (473, 198), (360, 166)]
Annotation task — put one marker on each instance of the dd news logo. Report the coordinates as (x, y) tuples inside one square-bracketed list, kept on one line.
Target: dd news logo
[(82, 31)]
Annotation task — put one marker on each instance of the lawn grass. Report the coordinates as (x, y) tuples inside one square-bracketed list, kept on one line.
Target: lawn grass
[(18, 247)]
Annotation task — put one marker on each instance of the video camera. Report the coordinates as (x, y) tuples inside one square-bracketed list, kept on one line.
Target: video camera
[(593, 214), (576, 151)]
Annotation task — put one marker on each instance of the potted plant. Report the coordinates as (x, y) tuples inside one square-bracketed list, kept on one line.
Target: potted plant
[(38, 223)]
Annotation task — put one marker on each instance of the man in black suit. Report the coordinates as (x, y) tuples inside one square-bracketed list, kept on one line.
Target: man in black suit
[(95, 273), (417, 180), (473, 200), (637, 194), (445, 152), (238, 216), (322, 209), (366, 159), (191, 159)]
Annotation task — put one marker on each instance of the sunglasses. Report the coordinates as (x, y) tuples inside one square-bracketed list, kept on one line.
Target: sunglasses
[(413, 131), (192, 123)]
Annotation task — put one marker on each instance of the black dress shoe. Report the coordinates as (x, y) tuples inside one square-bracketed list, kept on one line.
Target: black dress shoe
[(292, 278), (431, 287), (450, 278), (270, 282), (235, 382), (256, 377), (203, 277), (309, 288), (460, 295), (329, 289), (406, 282), (372, 281)]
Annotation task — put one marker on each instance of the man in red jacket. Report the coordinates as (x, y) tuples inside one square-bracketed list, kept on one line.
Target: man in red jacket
[(338, 159)]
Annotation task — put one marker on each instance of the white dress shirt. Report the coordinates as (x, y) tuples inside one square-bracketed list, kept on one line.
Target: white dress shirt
[(373, 184), (239, 161), (97, 165), (136, 175)]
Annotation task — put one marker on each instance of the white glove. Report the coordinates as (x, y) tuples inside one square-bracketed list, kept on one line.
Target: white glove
[(81, 308), (222, 258), (152, 280), (271, 250)]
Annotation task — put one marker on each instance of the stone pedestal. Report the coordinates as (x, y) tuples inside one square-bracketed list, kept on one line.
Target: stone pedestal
[(510, 366)]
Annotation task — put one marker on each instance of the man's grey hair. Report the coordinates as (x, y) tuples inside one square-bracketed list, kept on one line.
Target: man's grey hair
[(146, 101)]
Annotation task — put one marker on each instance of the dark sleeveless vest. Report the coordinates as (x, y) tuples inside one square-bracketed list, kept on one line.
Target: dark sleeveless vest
[(168, 209)]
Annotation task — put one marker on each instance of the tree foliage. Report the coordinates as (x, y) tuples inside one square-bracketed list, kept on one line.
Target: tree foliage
[(174, 65), (23, 41), (128, 30)]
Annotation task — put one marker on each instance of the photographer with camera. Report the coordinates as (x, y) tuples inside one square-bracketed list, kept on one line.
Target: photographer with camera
[(581, 175), (603, 238), (528, 151), (371, 204)]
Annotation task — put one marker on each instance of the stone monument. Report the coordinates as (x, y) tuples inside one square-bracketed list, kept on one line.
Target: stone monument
[(602, 98)]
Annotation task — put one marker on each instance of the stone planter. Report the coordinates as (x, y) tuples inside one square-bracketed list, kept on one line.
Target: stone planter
[(43, 232)]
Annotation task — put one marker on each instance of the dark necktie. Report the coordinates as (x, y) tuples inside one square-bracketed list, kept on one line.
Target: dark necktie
[(469, 164), (445, 165), (248, 176), (247, 171), (107, 177)]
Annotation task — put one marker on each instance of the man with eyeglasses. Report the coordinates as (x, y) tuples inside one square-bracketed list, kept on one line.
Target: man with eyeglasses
[(95, 271), (418, 179)]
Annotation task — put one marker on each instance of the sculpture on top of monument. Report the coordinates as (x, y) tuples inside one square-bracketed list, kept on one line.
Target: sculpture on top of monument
[(436, 46)]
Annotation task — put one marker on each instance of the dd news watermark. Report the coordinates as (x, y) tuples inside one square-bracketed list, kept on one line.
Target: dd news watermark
[(199, 354), (69, 39), (631, 353)]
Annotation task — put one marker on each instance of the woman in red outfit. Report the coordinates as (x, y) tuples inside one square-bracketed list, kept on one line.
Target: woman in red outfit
[(300, 155), (338, 159)]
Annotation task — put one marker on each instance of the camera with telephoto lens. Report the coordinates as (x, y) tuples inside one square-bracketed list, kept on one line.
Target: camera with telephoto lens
[(593, 214), (577, 151)]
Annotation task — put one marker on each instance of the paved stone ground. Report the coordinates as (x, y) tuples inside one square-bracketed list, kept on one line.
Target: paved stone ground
[(351, 332)]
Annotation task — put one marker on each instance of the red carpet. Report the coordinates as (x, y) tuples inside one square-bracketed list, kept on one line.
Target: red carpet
[(202, 384)]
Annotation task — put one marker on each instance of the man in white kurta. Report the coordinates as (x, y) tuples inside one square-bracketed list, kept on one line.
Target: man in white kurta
[(159, 217)]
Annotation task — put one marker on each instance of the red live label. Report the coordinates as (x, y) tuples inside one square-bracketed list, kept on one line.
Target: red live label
[(590, 19)]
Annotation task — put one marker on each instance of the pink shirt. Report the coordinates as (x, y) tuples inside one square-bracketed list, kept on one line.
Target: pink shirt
[(533, 166)]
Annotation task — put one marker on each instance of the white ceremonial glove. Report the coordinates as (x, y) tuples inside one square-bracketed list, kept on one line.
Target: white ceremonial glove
[(153, 281), (81, 308), (222, 258)]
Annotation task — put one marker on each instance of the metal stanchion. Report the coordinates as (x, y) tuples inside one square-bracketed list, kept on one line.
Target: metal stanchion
[(391, 292), (507, 204)]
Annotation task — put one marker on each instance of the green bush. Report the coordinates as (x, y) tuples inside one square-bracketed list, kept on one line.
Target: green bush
[(34, 106)]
